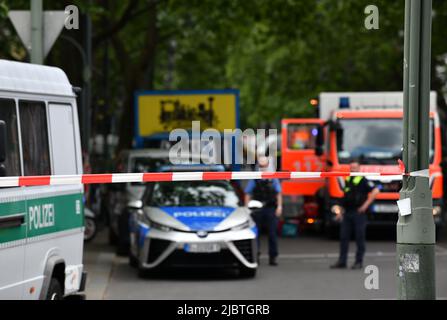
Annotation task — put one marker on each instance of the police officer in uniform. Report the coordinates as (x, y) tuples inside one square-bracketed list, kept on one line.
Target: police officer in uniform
[(268, 192), (359, 194)]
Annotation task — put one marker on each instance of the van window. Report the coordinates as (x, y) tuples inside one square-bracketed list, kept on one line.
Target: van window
[(34, 130), (62, 138), (9, 115)]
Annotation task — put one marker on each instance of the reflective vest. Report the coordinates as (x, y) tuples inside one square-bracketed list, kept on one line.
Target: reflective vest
[(355, 182), (354, 196)]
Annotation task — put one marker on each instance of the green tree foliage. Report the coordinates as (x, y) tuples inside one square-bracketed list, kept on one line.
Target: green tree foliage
[(279, 53)]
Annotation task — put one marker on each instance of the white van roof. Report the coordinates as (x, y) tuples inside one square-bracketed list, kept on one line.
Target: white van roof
[(329, 101), (32, 78)]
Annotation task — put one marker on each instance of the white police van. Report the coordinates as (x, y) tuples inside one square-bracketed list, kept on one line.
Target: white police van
[(41, 227)]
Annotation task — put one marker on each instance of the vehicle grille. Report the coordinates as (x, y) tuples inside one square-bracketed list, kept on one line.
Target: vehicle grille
[(156, 248), (180, 258), (245, 248)]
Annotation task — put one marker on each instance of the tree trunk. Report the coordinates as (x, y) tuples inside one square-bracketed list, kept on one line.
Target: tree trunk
[(141, 77)]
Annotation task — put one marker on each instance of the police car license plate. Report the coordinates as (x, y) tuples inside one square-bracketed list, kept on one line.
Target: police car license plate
[(202, 247), (385, 208)]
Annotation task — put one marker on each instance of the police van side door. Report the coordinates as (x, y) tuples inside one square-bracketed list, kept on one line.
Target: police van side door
[(40, 217), (12, 209), (55, 212)]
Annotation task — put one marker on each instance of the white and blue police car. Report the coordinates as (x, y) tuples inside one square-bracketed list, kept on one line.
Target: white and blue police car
[(192, 224)]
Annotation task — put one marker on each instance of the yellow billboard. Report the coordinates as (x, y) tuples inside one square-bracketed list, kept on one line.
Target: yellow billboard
[(163, 111)]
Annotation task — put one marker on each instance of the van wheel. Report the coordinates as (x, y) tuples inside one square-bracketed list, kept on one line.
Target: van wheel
[(90, 229), (54, 290)]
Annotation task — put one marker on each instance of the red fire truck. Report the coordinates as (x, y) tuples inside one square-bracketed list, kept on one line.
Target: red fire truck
[(366, 126)]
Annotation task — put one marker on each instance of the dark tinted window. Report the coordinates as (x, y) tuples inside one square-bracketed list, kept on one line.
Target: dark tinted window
[(9, 116), (146, 164), (192, 194), (34, 130)]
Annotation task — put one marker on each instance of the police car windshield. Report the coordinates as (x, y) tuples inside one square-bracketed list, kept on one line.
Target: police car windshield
[(192, 194), (146, 164), (373, 141)]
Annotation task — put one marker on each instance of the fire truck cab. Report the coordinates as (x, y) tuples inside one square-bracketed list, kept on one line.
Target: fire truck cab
[(366, 126)]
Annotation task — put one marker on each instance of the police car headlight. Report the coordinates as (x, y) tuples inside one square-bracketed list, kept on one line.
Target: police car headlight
[(241, 226), (159, 226), (437, 210), (337, 210)]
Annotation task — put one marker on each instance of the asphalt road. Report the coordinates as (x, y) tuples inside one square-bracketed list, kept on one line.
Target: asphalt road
[(303, 273)]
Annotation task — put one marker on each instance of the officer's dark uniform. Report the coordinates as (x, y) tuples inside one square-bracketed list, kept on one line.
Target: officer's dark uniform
[(356, 193), (266, 192)]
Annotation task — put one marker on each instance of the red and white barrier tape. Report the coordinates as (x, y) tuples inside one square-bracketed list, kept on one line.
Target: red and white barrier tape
[(180, 176)]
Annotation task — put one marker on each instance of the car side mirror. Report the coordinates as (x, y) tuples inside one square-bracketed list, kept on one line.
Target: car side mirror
[(335, 126), (135, 204), (339, 135), (319, 141)]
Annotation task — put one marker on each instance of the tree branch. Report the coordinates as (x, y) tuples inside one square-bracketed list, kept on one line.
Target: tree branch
[(127, 16), (122, 22)]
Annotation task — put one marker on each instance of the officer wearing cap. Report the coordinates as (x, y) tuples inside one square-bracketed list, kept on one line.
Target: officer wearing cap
[(267, 191), (359, 194)]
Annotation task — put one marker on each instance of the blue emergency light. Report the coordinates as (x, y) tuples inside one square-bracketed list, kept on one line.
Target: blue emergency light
[(344, 103)]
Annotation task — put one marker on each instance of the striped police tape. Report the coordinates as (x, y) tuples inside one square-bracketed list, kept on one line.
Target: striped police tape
[(185, 176)]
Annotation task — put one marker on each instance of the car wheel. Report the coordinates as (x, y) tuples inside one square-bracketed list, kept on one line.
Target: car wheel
[(245, 272), (123, 234), (90, 229), (54, 290)]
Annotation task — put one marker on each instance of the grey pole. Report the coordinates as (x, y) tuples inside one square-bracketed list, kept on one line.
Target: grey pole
[(416, 232), (36, 32)]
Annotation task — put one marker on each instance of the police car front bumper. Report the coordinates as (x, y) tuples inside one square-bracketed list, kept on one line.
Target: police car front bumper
[(230, 248)]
